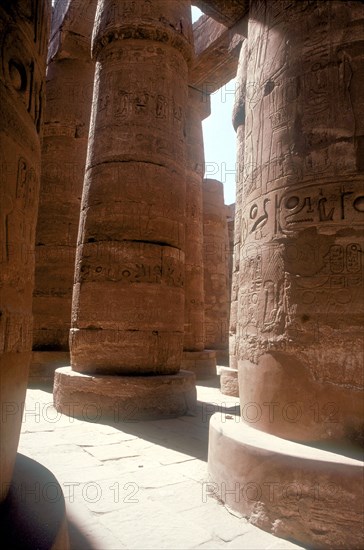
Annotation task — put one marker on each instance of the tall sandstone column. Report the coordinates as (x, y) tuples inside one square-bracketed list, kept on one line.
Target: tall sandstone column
[(70, 76), (24, 27), (128, 297), (301, 264), (238, 121), (195, 357), (229, 376), (216, 281), (194, 294), (300, 307)]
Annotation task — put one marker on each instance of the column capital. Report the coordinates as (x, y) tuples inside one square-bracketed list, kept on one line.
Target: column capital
[(142, 21)]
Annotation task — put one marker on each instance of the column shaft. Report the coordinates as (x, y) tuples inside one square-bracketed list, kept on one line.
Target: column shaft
[(194, 279), (23, 37), (215, 266), (67, 117), (301, 266), (238, 120), (128, 297)]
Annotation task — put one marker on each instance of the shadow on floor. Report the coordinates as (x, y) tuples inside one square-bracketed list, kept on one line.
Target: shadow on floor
[(186, 434), (78, 539)]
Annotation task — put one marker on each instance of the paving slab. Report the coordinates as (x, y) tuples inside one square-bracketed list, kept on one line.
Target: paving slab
[(154, 527), (138, 485), (212, 516)]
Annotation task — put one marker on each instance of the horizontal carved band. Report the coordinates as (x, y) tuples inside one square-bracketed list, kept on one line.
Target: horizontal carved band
[(142, 32)]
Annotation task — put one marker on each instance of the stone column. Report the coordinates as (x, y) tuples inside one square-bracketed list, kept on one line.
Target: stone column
[(301, 300), (301, 294), (229, 376), (128, 297), (215, 269), (194, 298), (69, 85), (195, 357), (24, 30)]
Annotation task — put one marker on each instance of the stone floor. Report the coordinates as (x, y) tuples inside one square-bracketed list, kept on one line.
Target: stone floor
[(137, 485)]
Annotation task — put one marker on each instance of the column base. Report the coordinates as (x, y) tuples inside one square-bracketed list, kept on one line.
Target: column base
[(306, 495), (98, 398), (202, 363), (229, 384), (44, 364), (33, 514)]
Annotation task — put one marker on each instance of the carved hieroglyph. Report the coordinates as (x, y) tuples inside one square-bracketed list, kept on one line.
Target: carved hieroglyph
[(194, 272), (70, 76), (24, 29), (216, 251), (128, 297), (301, 261)]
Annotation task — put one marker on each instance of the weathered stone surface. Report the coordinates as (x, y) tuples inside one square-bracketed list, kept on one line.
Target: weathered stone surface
[(69, 86), (215, 266), (217, 52), (133, 210), (229, 384), (238, 120), (294, 491), (298, 239), (67, 117), (137, 324), (241, 90), (123, 398), (128, 301), (24, 29), (202, 363), (301, 268), (167, 480), (222, 355), (194, 272), (99, 351), (227, 12), (72, 24), (230, 220), (43, 364)]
